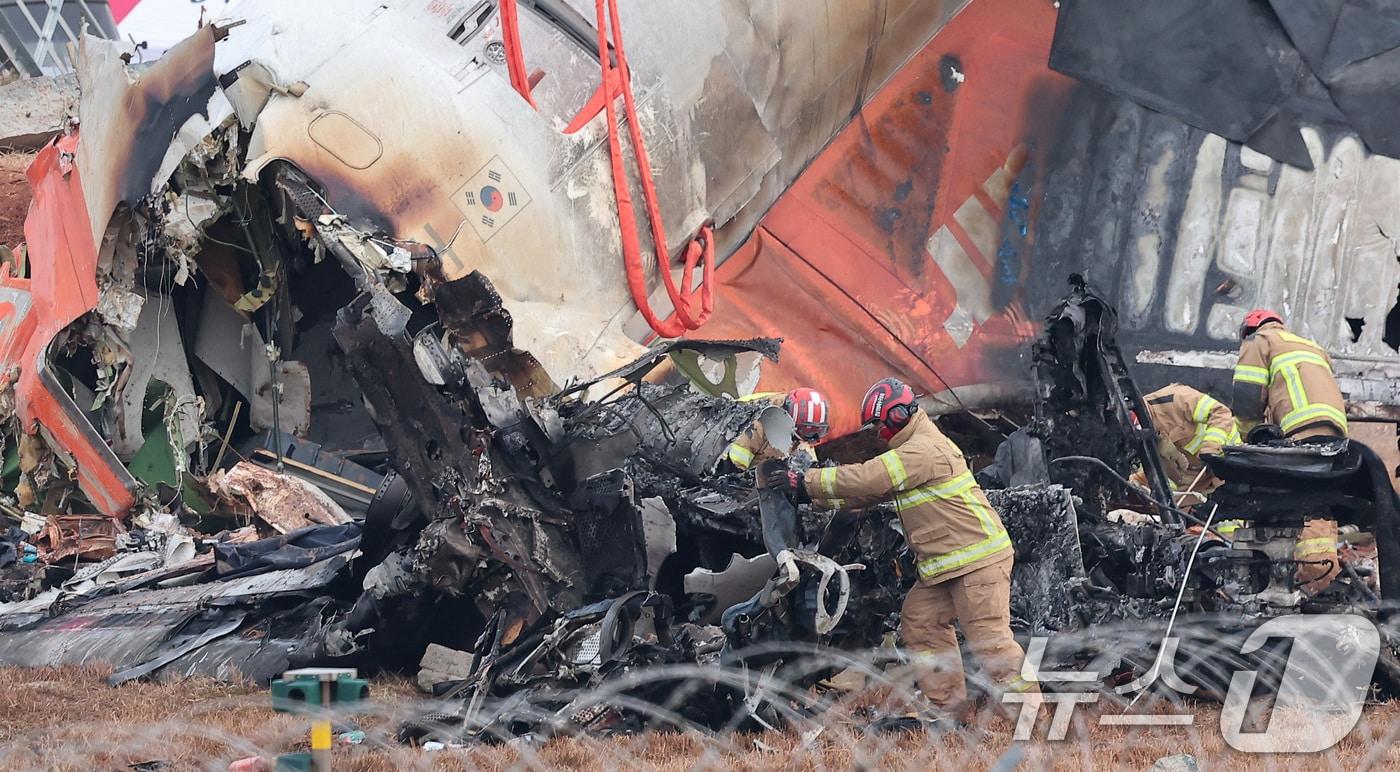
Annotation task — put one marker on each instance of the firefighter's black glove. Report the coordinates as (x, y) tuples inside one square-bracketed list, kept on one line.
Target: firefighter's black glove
[(774, 475)]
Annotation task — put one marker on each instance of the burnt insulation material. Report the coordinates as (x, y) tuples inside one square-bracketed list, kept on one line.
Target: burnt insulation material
[(674, 426), (1049, 566), (1253, 71)]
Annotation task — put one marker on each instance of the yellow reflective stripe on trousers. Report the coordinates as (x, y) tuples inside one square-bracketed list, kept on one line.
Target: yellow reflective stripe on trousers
[(1321, 545), (741, 456), (827, 478), (1251, 374), (1311, 414), (942, 564), (894, 467), (926, 493)]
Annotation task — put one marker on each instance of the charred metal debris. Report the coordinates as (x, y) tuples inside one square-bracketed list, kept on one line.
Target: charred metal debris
[(404, 480), (332, 454)]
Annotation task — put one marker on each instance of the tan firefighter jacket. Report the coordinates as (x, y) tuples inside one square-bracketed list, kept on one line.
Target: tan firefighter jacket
[(1293, 375), (1194, 422), (947, 521)]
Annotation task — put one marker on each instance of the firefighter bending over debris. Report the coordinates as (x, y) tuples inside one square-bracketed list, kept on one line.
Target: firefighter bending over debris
[(1286, 379), (808, 409), (1190, 424), (963, 552)]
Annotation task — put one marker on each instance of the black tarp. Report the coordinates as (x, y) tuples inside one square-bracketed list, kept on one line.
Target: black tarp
[(1253, 71), (296, 549)]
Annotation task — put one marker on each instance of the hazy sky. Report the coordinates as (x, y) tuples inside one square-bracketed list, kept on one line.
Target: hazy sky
[(163, 23)]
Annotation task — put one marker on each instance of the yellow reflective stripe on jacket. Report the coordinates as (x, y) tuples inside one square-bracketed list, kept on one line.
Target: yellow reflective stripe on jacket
[(1292, 359), (1251, 374), (1203, 407), (1218, 435), (1207, 433), (1200, 414), (1301, 411), (1018, 684), (926, 493), (758, 395), (1197, 440), (827, 476), (1322, 545), (1311, 413), (740, 456), (894, 466), (989, 526), (942, 564), (1288, 336)]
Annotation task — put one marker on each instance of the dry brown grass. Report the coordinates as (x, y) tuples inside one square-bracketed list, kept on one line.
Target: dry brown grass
[(67, 719)]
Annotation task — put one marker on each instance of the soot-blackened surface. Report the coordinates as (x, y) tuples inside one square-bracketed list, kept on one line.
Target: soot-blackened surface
[(1045, 532)]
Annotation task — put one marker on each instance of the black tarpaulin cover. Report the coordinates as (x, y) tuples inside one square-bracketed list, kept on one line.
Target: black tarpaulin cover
[(296, 549), (1253, 71)]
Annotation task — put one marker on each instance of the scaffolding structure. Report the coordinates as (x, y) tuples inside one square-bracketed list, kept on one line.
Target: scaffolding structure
[(35, 34)]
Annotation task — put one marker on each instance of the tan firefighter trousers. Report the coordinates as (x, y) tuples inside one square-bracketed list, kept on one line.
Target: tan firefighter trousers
[(979, 601)]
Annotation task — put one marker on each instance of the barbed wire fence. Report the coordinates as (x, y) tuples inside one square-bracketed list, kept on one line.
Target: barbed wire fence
[(812, 708)]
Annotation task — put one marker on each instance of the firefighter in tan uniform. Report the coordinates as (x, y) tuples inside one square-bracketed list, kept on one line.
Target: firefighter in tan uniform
[(963, 552), (1189, 424), (808, 409), (1287, 379)]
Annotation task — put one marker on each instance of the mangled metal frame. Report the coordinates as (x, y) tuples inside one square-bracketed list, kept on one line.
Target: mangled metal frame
[(474, 437), (527, 497), (1226, 585)]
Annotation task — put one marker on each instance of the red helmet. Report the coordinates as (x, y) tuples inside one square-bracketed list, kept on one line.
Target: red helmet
[(889, 403), (1256, 319), (809, 411)]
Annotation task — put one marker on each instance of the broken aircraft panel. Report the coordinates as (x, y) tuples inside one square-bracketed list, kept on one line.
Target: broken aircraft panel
[(934, 268), (524, 491), (545, 577), (969, 352), (153, 147), (780, 107)]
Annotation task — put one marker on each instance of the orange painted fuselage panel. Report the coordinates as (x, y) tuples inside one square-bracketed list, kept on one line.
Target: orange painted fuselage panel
[(902, 248)]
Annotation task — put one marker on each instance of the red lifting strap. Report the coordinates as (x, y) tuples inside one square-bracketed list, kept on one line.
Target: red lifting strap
[(616, 80), (684, 299), (515, 54)]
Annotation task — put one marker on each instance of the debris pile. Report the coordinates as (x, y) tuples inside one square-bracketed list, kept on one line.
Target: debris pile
[(253, 432)]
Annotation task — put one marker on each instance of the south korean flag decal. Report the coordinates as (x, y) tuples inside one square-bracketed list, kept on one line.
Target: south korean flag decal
[(491, 198)]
